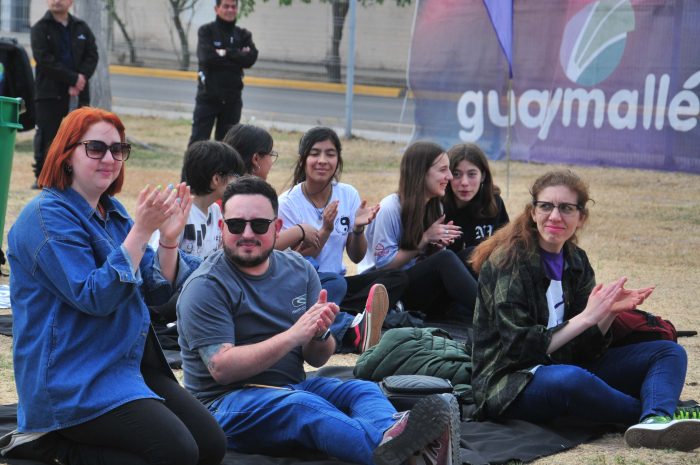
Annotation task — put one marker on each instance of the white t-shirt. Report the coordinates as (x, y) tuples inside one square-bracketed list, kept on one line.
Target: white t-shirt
[(555, 302), (202, 234), (384, 236), (295, 208)]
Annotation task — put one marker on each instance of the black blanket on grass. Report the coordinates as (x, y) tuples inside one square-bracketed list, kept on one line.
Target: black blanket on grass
[(481, 443)]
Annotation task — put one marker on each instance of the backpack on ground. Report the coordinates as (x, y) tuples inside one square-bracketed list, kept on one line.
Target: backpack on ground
[(635, 326)]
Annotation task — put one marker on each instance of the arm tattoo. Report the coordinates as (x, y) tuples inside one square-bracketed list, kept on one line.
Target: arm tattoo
[(208, 352)]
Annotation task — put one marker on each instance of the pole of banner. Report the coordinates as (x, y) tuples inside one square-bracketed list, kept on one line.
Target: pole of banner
[(350, 74), (510, 88)]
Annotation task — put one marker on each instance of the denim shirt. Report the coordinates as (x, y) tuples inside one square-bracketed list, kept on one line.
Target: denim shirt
[(80, 314)]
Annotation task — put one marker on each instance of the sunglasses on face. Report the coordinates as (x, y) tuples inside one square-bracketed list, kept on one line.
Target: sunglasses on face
[(97, 149), (258, 225)]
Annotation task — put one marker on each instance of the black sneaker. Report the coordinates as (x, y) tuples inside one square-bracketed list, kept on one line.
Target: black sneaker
[(429, 433)]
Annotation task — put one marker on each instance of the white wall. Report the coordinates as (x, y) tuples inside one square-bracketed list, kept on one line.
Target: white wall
[(300, 33)]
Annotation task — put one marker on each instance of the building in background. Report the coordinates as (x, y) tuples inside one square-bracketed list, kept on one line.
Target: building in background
[(288, 37)]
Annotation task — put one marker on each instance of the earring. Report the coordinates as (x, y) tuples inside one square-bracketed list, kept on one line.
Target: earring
[(255, 168), (68, 169)]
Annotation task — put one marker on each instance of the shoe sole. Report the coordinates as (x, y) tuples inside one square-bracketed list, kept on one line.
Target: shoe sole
[(455, 430), (682, 435), (426, 422), (377, 308)]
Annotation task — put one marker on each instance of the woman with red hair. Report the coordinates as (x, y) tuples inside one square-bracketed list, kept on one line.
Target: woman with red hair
[(93, 384)]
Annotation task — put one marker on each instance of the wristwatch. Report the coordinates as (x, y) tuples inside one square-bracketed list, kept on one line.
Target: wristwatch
[(324, 336)]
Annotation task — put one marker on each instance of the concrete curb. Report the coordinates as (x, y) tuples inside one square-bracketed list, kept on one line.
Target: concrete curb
[(256, 81)]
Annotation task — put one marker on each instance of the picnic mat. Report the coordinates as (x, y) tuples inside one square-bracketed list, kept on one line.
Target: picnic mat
[(481, 443)]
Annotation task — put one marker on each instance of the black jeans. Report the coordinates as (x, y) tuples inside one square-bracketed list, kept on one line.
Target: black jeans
[(49, 113), (226, 112), (179, 431), (395, 281), (439, 281)]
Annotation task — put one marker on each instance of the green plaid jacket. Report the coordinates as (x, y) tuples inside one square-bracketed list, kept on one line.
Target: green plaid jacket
[(510, 326)]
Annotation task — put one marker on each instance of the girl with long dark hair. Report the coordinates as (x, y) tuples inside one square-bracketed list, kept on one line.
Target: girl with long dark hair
[(410, 233)]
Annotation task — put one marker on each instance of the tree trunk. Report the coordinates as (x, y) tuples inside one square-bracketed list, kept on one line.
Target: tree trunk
[(122, 27), (95, 14), (185, 45), (177, 7), (332, 62)]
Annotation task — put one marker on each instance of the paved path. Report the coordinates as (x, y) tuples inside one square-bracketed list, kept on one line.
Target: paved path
[(380, 113)]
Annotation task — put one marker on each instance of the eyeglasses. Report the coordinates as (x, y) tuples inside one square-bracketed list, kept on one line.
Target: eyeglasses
[(97, 149), (565, 209), (258, 225), (273, 155)]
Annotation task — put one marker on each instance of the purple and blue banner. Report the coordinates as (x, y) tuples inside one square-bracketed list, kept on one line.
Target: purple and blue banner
[(608, 82)]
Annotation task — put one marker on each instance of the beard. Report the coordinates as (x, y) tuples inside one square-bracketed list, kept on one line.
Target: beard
[(248, 261)]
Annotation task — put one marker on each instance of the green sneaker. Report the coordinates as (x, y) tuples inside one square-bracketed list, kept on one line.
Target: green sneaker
[(687, 413), (659, 432)]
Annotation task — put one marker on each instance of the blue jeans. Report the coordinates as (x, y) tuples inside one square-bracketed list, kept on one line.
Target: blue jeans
[(623, 386), (346, 420), (336, 286)]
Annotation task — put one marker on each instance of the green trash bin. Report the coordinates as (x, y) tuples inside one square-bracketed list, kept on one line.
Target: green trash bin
[(9, 124)]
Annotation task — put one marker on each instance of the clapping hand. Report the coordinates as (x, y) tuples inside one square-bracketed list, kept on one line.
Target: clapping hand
[(629, 299), (156, 207), (175, 222), (329, 214), (316, 320), (365, 215)]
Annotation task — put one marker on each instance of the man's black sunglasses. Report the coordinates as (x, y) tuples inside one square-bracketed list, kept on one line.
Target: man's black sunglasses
[(97, 149), (258, 225)]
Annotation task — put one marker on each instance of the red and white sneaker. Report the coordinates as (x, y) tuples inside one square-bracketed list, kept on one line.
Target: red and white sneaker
[(428, 434), (445, 449), (368, 329)]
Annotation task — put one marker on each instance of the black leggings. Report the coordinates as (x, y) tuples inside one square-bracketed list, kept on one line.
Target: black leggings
[(179, 431), (395, 281), (436, 282)]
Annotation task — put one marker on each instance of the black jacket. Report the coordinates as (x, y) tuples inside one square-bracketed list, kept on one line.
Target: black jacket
[(53, 78), (222, 76), (19, 80)]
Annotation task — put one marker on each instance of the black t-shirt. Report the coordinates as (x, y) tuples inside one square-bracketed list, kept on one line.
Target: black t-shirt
[(475, 230)]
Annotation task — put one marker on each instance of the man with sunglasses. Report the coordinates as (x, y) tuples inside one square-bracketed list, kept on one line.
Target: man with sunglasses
[(224, 50), (65, 52), (250, 316)]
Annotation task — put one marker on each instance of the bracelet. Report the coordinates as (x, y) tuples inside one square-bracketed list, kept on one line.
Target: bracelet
[(362, 231), (160, 244), (303, 233)]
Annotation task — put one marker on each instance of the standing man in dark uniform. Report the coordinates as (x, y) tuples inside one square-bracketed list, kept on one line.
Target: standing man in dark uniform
[(65, 52), (223, 50)]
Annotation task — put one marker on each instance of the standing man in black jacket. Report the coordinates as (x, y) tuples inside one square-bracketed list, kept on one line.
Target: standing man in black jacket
[(65, 52), (223, 50)]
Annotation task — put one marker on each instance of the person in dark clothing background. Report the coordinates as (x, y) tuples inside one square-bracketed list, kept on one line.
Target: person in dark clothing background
[(223, 51), (66, 56)]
